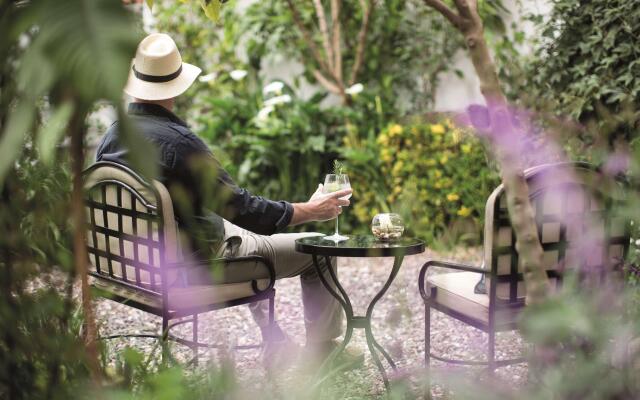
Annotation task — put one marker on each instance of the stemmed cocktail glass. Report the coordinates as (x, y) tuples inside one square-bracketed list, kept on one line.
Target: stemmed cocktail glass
[(333, 183)]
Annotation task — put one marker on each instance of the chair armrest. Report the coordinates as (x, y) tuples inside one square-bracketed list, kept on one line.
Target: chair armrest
[(229, 273), (444, 264)]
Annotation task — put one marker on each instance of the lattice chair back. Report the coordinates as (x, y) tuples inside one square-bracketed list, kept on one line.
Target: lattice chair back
[(579, 225), (132, 231)]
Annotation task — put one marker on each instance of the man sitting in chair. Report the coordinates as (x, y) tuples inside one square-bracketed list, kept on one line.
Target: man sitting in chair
[(220, 218)]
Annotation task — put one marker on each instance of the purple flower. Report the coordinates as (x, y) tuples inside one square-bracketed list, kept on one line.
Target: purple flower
[(617, 163)]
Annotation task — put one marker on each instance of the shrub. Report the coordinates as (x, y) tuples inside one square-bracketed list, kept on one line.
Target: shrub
[(588, 68), (434, 174)]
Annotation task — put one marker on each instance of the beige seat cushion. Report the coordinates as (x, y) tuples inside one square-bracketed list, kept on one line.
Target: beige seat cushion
[(455, 291), (196, 296), (184, 298)]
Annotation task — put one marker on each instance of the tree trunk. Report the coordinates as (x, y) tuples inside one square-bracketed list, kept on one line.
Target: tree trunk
[(516, 189), (469, 23), (76, 131)]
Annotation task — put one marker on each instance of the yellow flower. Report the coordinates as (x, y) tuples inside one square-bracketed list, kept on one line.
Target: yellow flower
[(443, 160), (453, 197), (383, 139), (466, 148), (385, 155), (394, 130), (437, 129), (448, 123), (457, 135), (438, 185), (438, 173), (397, 190), (397, 168), (464, 211)]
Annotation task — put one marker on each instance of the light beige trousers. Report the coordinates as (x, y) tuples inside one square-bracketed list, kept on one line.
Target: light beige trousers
[(323, 314)]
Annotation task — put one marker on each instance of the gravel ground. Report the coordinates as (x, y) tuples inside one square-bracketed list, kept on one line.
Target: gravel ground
[(398, 323)]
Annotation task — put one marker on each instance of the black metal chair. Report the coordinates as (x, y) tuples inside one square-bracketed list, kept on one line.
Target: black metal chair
[(135, 256), (568, 201)]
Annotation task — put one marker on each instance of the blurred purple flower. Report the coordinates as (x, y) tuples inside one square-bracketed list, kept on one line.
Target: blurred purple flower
[(513, 130), (617, 163)]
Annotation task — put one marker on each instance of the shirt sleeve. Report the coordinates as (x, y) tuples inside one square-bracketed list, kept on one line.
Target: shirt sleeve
[(220, 194)]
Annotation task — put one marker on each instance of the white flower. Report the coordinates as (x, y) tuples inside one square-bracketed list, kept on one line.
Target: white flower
[(208, 77), (638, 242), (273, 87), (264, 113), (274, 101), (238, 74), (355, 89)]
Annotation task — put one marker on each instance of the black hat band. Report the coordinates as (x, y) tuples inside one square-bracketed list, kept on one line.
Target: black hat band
[(156, 78)]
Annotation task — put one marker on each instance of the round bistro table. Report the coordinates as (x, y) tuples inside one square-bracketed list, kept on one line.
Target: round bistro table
[(359, 246)]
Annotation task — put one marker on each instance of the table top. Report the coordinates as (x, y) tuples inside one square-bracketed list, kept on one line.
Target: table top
[(359, 246)]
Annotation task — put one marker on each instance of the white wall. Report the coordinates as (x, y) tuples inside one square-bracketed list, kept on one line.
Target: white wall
[(454, 93)]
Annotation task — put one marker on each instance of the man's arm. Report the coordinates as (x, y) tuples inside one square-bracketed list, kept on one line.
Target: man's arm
[(321, 207), (255, 213)]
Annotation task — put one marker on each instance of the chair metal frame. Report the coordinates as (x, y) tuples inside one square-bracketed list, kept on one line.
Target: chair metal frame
[(155, 214), (513, 303)]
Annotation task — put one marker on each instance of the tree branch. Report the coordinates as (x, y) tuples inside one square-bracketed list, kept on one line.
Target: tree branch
[(464, 9), (330, 86), (81, 257), (307, 37), (362, 38), (448, 13), (337, 51), (326, 40)]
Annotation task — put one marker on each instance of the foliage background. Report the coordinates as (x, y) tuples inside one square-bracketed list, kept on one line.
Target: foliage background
[(286, 154)]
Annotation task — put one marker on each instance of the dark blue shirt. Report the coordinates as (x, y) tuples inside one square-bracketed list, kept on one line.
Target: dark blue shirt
[(202, 191)]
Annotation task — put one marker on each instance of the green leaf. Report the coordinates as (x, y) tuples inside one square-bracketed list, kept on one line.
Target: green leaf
[(20, 121), (94, 63), (317, 143), (150, 3), (52, 131), (211, 9), (142, 156)]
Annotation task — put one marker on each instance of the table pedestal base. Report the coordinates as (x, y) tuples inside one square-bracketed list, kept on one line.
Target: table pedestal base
[(358, 321)]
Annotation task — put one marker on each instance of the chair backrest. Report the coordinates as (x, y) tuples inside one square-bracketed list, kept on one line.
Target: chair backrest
[(579, 225), (132, 232)]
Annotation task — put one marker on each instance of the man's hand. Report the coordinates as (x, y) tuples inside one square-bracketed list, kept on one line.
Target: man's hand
[(320, 207), (317, 193)]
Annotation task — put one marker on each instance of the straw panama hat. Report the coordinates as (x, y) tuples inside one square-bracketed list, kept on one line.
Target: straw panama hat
[(157, 71)]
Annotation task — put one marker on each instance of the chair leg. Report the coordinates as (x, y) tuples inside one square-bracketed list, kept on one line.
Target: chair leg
[(195, 339), (491, 352), (272, 317), (164, 339), (427, 336), (427, 349)]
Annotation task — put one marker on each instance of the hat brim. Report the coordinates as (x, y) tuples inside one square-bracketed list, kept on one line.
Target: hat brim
[(162, 90)]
